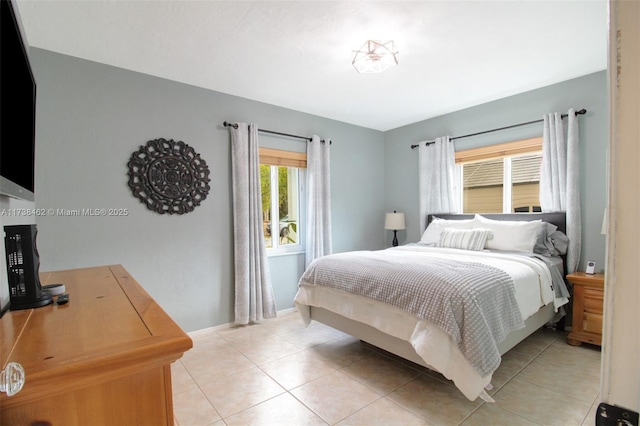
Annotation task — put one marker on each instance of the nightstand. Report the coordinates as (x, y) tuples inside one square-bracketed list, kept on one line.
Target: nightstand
[(588, 296)]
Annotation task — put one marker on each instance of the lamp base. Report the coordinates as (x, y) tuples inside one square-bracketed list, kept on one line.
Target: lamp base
[(395, 238)]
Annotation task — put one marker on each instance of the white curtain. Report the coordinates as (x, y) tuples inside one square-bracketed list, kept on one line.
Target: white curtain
[(560, 178), (437, 173), (318, 236), (254, 299)]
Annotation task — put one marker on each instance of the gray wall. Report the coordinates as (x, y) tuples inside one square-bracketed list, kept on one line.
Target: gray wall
[(589, 92), (91, 117)]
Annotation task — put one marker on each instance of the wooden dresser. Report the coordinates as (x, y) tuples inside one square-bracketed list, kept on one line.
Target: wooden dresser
[(588, 296), (104, 358)]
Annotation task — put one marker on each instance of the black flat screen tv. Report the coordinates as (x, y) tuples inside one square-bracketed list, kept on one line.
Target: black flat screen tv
[(17, 108)]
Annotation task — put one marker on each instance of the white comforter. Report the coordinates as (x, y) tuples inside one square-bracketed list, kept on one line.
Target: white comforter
[(533, 284)]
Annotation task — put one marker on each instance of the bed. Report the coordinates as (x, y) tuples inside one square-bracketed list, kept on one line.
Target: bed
[(453, 302)]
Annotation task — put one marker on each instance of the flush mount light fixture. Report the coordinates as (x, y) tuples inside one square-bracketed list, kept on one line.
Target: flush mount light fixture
[(375, 56)]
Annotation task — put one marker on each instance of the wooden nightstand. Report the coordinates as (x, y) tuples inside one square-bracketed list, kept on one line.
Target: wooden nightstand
[(588, 296)]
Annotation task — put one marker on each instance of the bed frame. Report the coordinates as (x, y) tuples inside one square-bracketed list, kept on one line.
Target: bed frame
[(403, 348)]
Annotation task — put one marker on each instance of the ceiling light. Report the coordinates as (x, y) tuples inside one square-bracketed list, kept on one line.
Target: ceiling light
[(374, 56)]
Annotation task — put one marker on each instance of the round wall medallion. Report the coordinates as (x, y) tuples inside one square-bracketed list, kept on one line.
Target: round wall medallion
[(168, 176)]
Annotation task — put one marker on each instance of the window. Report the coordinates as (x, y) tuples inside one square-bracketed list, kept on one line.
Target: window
[(281, 177), (501, 178)]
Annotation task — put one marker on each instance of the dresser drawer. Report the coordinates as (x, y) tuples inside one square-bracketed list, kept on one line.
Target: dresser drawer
[(592, 323)]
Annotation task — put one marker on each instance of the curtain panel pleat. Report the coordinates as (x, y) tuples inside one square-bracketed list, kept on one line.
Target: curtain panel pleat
[(437, 179), (560, 178), (318, 235), (254, 299)]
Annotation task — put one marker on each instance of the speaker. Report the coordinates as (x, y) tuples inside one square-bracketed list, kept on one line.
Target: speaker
[(23, 268), (591, 267)]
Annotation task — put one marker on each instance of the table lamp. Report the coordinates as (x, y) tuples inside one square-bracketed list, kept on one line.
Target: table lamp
[(394, 221)]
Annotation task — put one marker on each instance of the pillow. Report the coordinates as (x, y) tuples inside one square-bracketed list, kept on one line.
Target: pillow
[(510, 235), (560, 242), (544, 244), (431, 235), (465, 239)]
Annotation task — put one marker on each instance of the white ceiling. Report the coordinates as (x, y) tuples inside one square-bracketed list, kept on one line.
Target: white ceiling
[(297, 54)]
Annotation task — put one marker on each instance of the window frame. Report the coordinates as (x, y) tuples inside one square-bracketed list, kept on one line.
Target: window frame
[(298, 160), (506, 151)]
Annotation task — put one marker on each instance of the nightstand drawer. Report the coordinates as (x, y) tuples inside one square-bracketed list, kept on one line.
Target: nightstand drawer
[(593, 293), (592, 323), (592, 304)]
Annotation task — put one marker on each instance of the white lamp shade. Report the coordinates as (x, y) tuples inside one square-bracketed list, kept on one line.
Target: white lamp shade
[(394, 221)]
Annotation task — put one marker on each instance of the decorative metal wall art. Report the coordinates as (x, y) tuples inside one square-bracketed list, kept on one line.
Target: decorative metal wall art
[(168, 176)]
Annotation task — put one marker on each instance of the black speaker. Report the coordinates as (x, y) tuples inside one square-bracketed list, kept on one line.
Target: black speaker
[(23, 267)]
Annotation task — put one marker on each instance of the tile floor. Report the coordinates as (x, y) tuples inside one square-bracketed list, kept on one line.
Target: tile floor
[(281, 373)]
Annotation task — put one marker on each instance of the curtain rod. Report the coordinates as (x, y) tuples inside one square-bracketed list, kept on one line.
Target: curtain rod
[(581, 112), (235, 126)]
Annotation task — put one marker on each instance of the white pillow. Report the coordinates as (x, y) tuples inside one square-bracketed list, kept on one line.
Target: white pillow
[(465, 239), (431, 235), (510, 235)]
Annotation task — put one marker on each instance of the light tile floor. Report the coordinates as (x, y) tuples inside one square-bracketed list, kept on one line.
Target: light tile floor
[(281, 373)]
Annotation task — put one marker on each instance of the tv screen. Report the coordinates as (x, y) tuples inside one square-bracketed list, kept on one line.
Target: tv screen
[(17, 109)]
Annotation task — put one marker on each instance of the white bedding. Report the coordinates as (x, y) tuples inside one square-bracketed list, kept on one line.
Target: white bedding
[(531, 276), (533, 285)]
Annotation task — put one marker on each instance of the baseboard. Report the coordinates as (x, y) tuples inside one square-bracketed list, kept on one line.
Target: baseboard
[(217, 328)]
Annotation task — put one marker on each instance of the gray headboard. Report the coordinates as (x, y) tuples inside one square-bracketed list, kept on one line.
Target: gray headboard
[(559, 219)]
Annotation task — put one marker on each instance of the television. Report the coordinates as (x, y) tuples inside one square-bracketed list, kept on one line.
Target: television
[(17, 108)]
